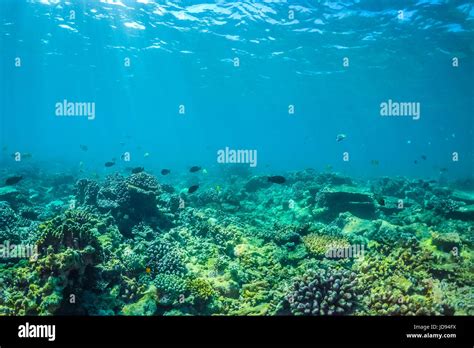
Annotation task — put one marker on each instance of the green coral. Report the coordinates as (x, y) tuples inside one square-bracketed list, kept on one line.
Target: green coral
[(171, 288), (201, 289), (74, 229), (146, 305), (396, 282)]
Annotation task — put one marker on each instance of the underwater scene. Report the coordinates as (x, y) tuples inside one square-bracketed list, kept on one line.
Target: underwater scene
[(236, 158)]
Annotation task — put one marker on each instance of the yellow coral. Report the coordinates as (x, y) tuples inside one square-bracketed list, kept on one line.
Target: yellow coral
[(318, 244)]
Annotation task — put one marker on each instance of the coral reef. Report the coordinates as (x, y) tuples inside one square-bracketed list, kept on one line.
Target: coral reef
[(125, 244)]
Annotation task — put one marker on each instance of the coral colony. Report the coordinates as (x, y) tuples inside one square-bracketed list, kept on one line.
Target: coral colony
[(158, 205)]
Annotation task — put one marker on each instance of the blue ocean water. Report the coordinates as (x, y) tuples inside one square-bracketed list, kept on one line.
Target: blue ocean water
[(236, 69)]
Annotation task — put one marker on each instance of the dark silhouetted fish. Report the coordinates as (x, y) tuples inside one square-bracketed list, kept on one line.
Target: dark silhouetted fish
[(193, 188), (379, 198), (415, 161), (195, 169), (375, 162), (165, 171), (137, 170), (340, 137), (109, 164), (277, 179), (423, 157), (13, 180), (84, 147)]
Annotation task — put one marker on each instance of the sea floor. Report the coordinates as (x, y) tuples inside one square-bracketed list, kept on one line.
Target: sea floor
[(315, 244)]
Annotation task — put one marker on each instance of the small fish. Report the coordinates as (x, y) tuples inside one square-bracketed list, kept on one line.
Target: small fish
[(84, 147), (109, 164), (374, 162), (165, 171), (13, 180), (340, 137), (423, 157), (147, 154), (137, 170), (195, 169), (443, 170), (81, 164), (4, 148), (122, 143), (415, 161), (218, 188), (379, 198), (328, 167), (193, 188), (204, 171), (277, 179)]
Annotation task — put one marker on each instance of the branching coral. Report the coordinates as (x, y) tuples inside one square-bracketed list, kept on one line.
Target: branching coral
[(441, 205), (323, 292), (8, 224), (86, 191)]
